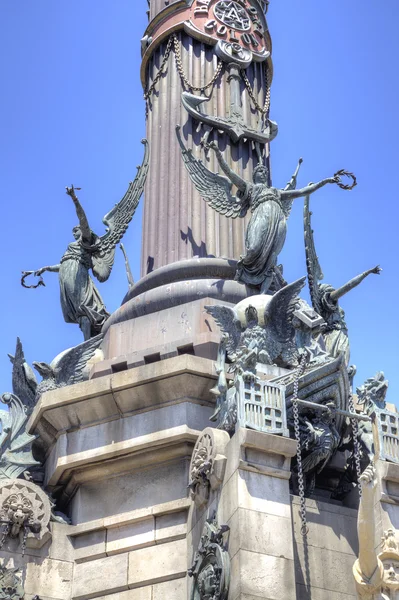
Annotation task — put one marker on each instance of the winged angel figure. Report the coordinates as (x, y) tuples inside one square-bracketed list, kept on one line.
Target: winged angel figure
[(270, 208), (325, 297), (265, 334), (80, 300)]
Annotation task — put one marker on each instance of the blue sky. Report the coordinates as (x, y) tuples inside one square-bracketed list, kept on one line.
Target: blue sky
[(71, 111)]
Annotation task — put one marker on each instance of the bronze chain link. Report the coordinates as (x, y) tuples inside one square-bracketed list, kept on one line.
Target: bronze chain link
[(266, 107), (295, 409), (173, 40)]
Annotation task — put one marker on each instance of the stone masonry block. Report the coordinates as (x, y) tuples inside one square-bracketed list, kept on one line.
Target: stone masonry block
[(171, 526), (261, 533), (175, 590), (50, 578), (127, 537), (100, 576), (158, 563), (330, 571), (90, 546), (261, 576)]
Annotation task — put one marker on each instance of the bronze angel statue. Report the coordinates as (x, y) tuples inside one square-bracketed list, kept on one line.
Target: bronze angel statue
[(270, 208), (80, 300), (325, 297)]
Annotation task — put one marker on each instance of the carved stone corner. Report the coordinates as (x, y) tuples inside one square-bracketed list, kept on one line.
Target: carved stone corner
[(208, 464), (25, 512), (388, 475)]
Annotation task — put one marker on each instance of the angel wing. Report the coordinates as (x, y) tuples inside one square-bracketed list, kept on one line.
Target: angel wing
[(16, 444), (24, 382), (315, 274), (280, 310), (227, 319), (117, 221), (214, 188), (69, 365)]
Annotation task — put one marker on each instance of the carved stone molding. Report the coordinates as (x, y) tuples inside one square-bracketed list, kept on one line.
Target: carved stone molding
[(208, 464), (211, 566), (25, 512)]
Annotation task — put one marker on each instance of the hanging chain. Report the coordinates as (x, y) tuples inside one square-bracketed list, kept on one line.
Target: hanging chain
[(6, 528), (179, 66), (356, 447), (173, 40), (266, 107), (295, 410), (158, 76)]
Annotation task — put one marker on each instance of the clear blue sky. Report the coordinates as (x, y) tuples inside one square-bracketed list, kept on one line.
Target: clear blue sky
[(71, 111)]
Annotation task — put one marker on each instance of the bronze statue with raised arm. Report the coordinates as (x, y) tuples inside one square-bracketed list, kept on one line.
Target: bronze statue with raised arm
[(270, 208), (81, 302), (325, 297)]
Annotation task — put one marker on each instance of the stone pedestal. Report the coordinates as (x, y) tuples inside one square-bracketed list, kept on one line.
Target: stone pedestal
[(254, 501)]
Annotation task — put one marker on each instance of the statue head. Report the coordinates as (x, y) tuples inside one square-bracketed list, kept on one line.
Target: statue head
[(43, 369), (261, 174), (390, 560), (208, 582), (77, 233)]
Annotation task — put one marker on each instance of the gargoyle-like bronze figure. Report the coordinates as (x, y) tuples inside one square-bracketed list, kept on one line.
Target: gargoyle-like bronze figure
[(270, 207), (81, 302), (325, 297), (67, 368), (267, 336)]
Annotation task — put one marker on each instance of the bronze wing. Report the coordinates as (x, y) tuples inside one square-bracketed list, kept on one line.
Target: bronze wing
[(69, 366), (227, 319), (117, 221), (315, 274), (214, 188), (280, 310)]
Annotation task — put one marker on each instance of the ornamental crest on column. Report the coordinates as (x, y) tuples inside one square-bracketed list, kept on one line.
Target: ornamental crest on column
[(236, 22)]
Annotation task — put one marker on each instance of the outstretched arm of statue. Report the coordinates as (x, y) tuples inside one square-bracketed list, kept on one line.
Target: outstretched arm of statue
[(238, 181), (308, 190), (83, 222), (337, 294), (51, 269), (366, 523)]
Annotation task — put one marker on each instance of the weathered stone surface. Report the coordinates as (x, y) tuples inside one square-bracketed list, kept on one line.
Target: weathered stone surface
[(158, 563), (302, 593), (262, 451), (254, 491), (326, 529), (171, 526), (261, 533), (50, 578), (144, 593), (92, 445), (61, 547), (328, 570), (100, 576), (127, 537), (175, 590), (261, 576), (90, 546), (133, 490)]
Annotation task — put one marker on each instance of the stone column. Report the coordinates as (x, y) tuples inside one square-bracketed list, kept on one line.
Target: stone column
[(177, 223)]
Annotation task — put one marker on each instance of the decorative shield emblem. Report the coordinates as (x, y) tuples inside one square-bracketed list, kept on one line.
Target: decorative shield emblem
[(234, 21)]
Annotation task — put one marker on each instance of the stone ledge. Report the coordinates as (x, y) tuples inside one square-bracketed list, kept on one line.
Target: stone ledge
[(130, 517), (65, 465), (129, 392)]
